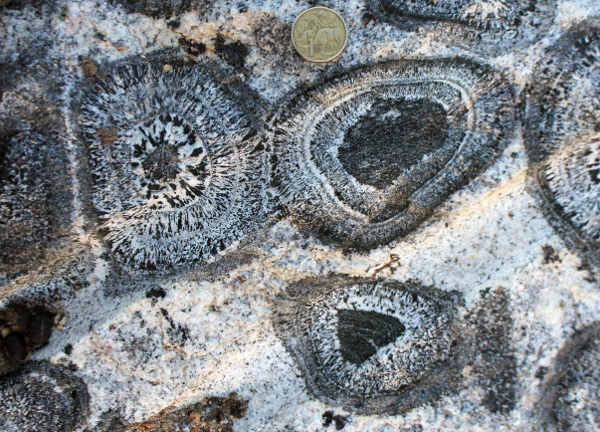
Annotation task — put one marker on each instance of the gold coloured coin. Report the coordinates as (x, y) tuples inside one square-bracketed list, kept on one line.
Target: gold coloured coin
[(319, 34)]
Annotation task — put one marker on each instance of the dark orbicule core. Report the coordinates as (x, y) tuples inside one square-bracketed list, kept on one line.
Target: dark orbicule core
[(162, 8), (366, 156), (178, 172), (361, 333), (35, 194), (400, 133), (42, 396), (562, 119), (371, 347)]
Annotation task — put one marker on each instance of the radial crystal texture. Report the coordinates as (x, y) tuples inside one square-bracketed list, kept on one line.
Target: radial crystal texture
[(562, 103), (570, 397), (369, 346), (42, 396), (178, 172), (571, 184), (367, 156), (562, 115), (486, 25)]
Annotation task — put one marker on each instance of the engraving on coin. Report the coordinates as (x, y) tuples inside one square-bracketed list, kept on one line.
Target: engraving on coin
[(319, 34)]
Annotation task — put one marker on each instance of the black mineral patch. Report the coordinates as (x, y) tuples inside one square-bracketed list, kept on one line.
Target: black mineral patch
[(192, 48), (561, 111), (370, 347), (162, 8), (329, 419), (178, 167), (367, 156), (42, 396), (156, 292), (233, 53)]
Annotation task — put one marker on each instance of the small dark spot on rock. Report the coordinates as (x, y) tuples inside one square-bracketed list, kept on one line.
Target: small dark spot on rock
[(108, 135), (89, 66), (550, 255), (14, 345), (156, 292), (367, 18), (40, 329), (192, 48), (340, 422), (233, 53), (174, 23), (18, 318), (68, 349), (64, 12), (541, 372)]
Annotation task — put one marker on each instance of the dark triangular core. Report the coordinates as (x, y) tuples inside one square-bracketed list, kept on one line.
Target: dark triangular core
[(361, 332)]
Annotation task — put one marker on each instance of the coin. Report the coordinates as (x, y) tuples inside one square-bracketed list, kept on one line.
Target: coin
[(319, 34)]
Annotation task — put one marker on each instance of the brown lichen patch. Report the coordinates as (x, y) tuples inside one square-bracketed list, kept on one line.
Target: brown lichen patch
[(108, 135), (213, 414), (89, 66)]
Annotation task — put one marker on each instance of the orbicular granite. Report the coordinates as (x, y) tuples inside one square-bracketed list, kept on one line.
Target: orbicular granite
[(201, 231)]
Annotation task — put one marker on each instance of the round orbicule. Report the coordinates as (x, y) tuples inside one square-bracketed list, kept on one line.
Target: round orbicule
[(369, 346), (178, 170), (487, 26), (366, 156), (576, 407), (561, 115), (570, 185), (42, 395)]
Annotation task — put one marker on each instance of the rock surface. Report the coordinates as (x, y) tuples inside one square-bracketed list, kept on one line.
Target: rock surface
[(201, 231)]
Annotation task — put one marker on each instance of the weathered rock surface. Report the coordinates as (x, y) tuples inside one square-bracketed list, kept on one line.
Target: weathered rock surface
[(201, 231)]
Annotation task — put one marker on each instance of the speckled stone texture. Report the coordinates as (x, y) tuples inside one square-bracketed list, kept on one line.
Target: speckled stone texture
[(202, 232)]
